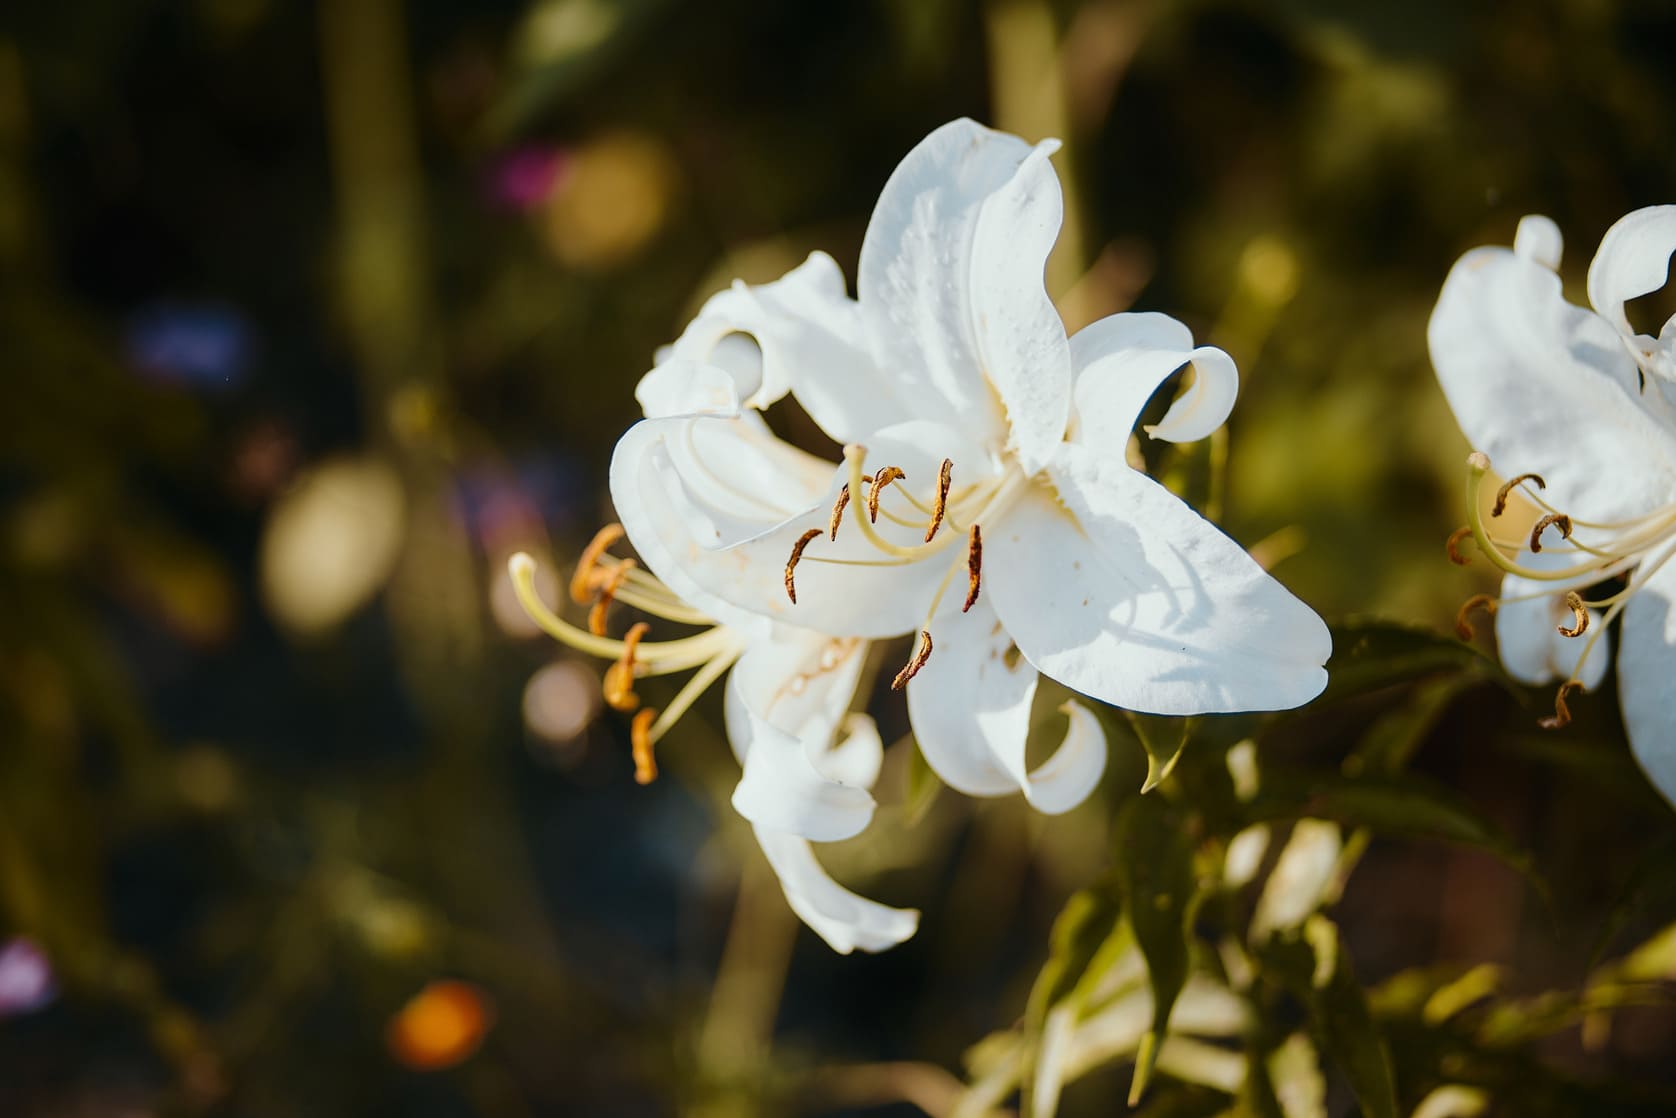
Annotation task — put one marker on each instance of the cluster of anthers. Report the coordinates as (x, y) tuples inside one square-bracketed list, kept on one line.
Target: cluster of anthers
[(948, 506), (1636, 547), (601, 579)]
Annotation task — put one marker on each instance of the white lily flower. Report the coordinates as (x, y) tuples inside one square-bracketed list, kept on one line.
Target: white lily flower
[(991, 447), (1573, 403)]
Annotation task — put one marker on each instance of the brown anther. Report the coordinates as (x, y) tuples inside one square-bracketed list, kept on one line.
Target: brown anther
[(1463, 627), (619, 677), (1562, 713), (838, 508), (1501, 494), (640, 737), (941, 504), (1579, 614), (791, 564), (582, 582), (974, 566), (1556, 519), (881, 479), (608, 584), (922, 653), (1456, 538)]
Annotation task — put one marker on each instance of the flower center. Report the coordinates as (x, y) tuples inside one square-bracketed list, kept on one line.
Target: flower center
[(949, 512), (1598, 551), (599, 581)]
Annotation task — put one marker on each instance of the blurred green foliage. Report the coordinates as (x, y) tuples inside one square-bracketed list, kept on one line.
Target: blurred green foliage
[(312, 313)]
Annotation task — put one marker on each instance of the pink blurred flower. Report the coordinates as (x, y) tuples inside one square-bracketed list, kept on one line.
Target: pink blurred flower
[(26, 982)]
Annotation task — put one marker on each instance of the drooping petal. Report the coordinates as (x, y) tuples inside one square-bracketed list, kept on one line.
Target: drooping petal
[(1544, 387), (970, 710), (847, 922), (970, 704), (1633, 260), (1123, 358), (786, 698), (951, 286), (1119, 590), (1532, 648), (1646, 665), (1539, 240), (804, 323), (782, 789)]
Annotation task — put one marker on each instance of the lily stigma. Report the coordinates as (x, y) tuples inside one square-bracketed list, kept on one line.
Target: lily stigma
[(1578, 410)]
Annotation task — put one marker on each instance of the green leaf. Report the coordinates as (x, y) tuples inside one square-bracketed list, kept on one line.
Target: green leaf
[(1316, 969), (1163, 739), (1161, 892), (1393, 739), (1088, 936), (1368, 655), (1405, 806)]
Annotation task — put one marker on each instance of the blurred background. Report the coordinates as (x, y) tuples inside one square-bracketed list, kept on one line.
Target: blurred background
[(312, 313)]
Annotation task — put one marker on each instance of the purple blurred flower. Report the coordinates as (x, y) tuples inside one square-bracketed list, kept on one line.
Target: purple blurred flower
[(504, 507), (200, 345), (523, 178), (26, 982)]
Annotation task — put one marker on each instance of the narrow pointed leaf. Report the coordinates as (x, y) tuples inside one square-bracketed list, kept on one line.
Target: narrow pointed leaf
[(1339, 1014), (1160, 891)]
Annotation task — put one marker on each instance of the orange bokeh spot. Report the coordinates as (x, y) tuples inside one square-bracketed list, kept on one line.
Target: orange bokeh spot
[(440, 1026)]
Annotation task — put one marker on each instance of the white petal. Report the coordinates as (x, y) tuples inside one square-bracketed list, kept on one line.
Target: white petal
[(804, 323), (1646, 665), (786, 698), (970, 710), (970, 703), (782, 788), (1124, 593), (920, 296), (1020, 336), (1539, 240), (687, 489), (1532, 648), (800, 681), (715, 505), (859, 756), (1545, 387), (1633, 260), (1123, 358), (847, 922)]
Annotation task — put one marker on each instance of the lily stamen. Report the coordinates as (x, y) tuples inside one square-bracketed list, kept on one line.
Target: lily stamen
[(640, 738), (582, 580), (974, 566), (1501, 494), (881, 479), (922, 653), (1562, 713), (1554, 519), (791, 564), (619, 677), (1579, 613), (609, 583), (1453, 545), (1463, 626), (944, 475)]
